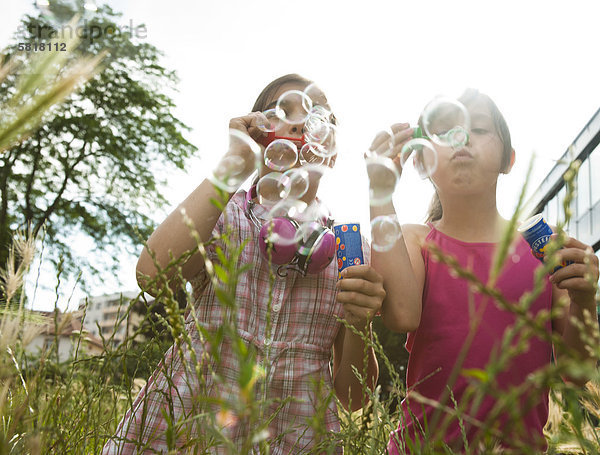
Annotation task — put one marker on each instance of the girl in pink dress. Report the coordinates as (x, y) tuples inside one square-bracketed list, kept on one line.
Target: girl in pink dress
[(455, 332), (293, 338)]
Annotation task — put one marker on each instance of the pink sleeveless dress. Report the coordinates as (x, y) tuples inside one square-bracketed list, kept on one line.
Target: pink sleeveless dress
[(448, 306)]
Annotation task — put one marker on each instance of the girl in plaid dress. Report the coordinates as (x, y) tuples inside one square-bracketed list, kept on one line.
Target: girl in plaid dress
[(293, 342)]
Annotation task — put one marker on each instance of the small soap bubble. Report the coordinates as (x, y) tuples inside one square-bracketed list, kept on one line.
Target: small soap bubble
[(322, 111), (273, 122), (446, 122), (308, 155), (294, 183), (240, 161), (287, 208), (317, 98), (270, 189), (316, 128), (383, 177), (315, 172), (293, 107), (385, 231), (384, 144), (314, 153), (424, 156), (281, 154)]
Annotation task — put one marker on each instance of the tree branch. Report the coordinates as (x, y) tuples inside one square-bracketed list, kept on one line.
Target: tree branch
[(68, 171)]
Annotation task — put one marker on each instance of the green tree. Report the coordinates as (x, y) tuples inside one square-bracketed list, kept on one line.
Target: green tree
[(97, 166)]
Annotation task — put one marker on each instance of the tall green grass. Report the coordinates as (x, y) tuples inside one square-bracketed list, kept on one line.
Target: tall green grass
[(72, 407), (48, 405)]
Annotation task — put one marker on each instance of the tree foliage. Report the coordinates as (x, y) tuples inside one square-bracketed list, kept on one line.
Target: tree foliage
[(96, 167)]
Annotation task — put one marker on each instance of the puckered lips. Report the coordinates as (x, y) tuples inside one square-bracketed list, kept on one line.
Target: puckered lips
[(461, 155)]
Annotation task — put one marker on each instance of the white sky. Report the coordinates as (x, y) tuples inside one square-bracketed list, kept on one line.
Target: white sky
[(379, 62)]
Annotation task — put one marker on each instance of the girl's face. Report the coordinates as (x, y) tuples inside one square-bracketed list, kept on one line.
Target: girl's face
[(295, 109), (475, 166)]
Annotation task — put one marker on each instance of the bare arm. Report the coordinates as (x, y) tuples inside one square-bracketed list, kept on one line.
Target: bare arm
[(172, 237), (402, 265), (403, 274), (361, 293)]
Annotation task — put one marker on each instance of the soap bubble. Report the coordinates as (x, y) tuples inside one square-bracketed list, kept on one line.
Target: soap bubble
[(424, 155), (270, 189), (317, 99), (281, 154), (295, 183), (287, 208), (293, 107), (308, 155), (316, 128), (240, 161), (446, 122), (312, 153), (385, 231), (273, 123), (383, 176), (384, 144), (315, 172)]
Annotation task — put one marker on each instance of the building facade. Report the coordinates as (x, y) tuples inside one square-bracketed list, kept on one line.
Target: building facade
[(108, 316), (585, 206), (61, 334)]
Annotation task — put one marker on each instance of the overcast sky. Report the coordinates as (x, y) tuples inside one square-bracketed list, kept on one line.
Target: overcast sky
[(379, 62)]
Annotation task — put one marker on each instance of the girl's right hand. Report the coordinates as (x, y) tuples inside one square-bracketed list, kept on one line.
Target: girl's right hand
[(241, 158), (381, 144), (251, 124)]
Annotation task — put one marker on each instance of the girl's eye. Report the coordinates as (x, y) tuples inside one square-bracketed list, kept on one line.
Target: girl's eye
[(479, 130)]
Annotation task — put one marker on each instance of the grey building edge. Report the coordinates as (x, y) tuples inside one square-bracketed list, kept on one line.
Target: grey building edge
[(582, 148)]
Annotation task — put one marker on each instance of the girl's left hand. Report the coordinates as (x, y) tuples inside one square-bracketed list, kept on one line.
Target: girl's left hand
[(581, 277), (361, 292)]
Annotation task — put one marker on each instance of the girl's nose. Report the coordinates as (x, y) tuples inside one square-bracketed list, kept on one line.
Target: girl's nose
[(294, 130)]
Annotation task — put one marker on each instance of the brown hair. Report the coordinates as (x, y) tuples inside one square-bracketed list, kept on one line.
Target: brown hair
[(266, 96), (469, 96)]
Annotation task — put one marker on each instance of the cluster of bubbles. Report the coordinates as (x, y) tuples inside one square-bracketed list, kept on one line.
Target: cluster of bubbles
[(281, 190), (445, 122)]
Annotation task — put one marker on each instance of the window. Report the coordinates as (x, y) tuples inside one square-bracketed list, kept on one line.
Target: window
[(596, 223), (560, 199), (48, 342), (584, 228)]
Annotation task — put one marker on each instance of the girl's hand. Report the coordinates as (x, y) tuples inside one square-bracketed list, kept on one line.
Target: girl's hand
[(241, 158), (250, 124), (381, 144), (361, 292), (580, 278)]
